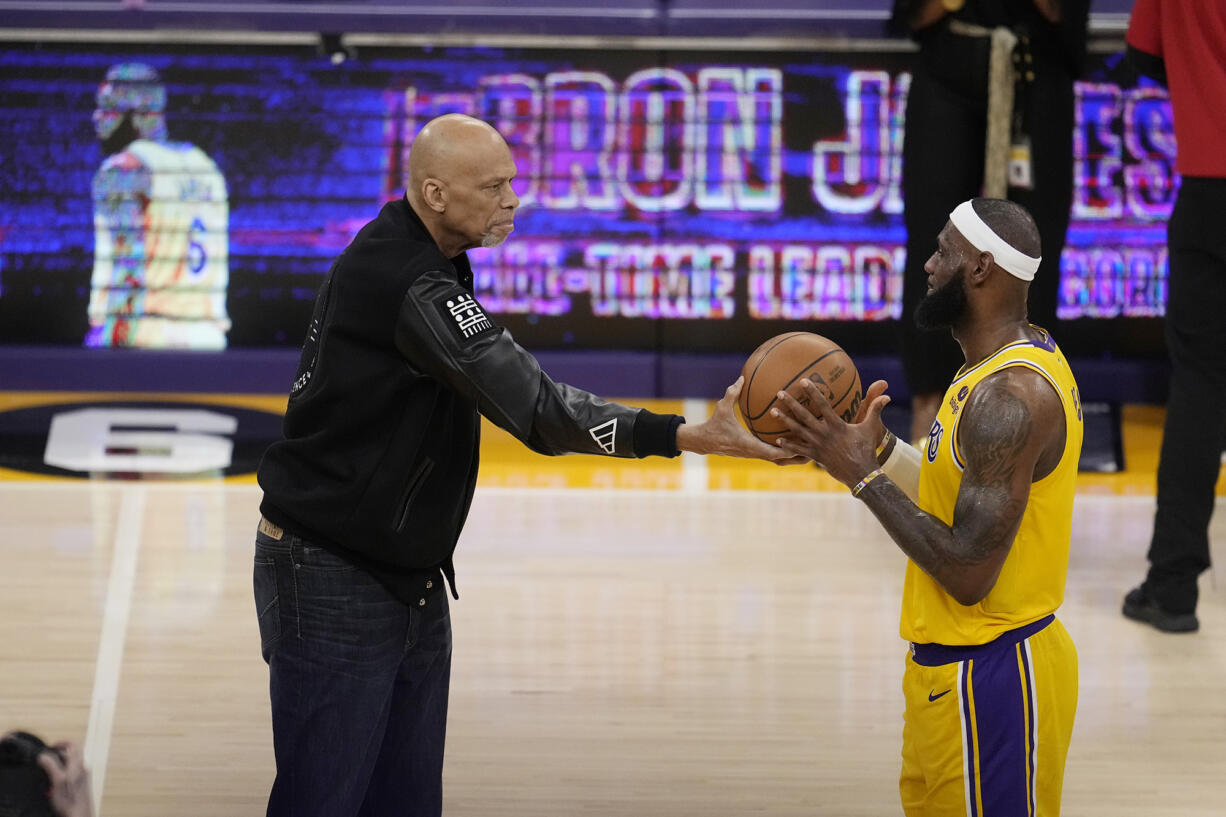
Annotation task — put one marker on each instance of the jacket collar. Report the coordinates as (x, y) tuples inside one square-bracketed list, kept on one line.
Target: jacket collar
[(417, 229)]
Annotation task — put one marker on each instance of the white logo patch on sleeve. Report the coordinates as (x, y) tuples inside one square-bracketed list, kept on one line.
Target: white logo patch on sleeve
[(465, 315), (605, 435)]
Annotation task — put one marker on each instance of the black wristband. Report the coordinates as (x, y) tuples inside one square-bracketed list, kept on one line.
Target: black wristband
[(656, 434)]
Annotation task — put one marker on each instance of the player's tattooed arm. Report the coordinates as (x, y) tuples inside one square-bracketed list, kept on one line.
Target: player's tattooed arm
[(1009, 424)]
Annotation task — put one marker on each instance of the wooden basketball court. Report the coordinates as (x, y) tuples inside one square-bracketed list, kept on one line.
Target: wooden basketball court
[(633, 638)]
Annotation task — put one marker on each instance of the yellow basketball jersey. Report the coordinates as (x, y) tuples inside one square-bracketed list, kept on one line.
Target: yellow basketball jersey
[(1031, 581)]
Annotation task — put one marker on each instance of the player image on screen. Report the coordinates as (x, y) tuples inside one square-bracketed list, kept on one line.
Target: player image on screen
[(161, 222)]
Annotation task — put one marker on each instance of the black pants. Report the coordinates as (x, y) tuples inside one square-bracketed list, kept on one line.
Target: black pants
[(943, 151), (1195, 429)]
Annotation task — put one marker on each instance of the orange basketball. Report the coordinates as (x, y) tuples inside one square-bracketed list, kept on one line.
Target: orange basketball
[(780, 364)]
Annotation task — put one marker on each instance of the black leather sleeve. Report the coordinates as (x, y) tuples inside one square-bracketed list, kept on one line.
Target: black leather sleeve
[(445, 334)]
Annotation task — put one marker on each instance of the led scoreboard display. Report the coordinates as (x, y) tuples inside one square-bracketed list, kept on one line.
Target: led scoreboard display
[(676, 199), (691, 164)]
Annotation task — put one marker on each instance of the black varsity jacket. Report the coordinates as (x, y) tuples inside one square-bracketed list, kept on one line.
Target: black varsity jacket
[(379, 457)]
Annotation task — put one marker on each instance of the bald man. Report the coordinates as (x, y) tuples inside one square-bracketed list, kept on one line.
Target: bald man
[(984, 515), (366, 495)]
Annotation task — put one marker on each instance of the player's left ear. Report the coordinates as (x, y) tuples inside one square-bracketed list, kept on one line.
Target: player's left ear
[(983, 265), (435, 195)]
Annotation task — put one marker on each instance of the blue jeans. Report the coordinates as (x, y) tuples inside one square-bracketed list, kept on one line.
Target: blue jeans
[(358, 681)]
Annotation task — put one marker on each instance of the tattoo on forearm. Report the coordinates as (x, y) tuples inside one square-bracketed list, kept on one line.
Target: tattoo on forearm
[(923, 537), (977, 543), (965, 557), (957, 563)]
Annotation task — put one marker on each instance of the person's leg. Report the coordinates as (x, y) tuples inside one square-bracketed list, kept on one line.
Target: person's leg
[(997, 723), (1048, 108), (333, 638), (942, 167), (408, 777), (912, 787), (1051, 657), (1019, 702), (933, 781), (1002, 722), (1195, 426)]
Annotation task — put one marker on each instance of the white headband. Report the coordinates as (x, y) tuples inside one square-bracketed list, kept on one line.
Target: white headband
[(985, 239)]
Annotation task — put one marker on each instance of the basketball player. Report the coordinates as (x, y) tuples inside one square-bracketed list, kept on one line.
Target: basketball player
[(984, 515), (975, 125), (366, 496), (161, 222)]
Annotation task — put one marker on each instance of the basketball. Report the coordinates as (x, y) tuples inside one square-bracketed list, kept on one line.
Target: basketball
[(780, 364)]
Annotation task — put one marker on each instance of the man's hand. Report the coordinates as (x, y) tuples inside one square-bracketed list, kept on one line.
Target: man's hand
[(875, 390), (845, 450), (722, 433), (70, 794)]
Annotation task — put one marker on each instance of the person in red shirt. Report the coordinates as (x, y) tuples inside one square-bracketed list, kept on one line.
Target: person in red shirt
[(1183, 44)]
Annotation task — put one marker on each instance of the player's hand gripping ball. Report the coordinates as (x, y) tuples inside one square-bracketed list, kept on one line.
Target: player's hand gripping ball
[(780, 364)]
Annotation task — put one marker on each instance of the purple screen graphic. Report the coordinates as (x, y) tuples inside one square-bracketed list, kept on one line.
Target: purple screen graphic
[(683, 200)]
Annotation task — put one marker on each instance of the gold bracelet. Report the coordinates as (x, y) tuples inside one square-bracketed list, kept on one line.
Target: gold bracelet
[(862, 484), (889, 435)]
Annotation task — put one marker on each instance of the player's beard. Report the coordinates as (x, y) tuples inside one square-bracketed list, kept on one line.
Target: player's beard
[(125, 133), (944, 307)]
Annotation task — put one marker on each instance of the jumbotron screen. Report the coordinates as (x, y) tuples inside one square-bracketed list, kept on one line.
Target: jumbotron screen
[(670, 199)]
